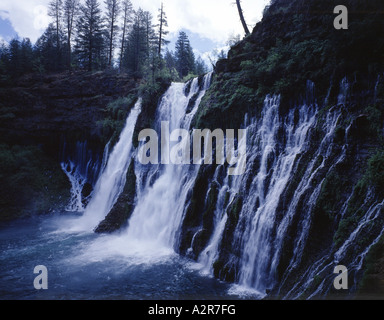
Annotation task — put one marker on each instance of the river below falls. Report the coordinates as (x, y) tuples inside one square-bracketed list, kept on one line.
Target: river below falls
[(88, 266)]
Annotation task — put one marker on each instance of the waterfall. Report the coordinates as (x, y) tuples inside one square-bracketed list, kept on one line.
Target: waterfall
[(112, 180), (261, 201), (289, 156), (161, 203), (278, 144), (77, 181), (82, 166)]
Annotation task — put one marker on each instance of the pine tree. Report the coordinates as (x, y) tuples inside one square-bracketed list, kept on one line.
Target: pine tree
[(171, 64), (3, 62), (138, 44), (127, 20), (90, 41), (70, 12), (26, 56), (185, 57), (14, 64), (163, 24), (113, 11), (150, 36), (55, 10), (51, 57)]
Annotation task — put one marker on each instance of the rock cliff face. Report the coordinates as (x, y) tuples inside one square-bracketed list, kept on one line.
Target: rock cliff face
[(321, 216), (312, 99), (45, 109), (122, 210), (46, 117)]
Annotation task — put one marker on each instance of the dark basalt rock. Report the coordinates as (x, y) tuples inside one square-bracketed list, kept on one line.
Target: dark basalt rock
[(123, 209), (199, 213), (48, 108), (41, 113)]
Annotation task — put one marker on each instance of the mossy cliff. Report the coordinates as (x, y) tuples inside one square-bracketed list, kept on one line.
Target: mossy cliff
[(296, 41), (294, 52), (296, 45), (38, 114)]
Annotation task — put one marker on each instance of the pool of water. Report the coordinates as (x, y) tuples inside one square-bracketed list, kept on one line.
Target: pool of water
[(87, 266)]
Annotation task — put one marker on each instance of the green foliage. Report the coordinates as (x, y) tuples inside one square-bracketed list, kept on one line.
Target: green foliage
[(291, 45), (90, 45), (31, 183), (48, 56), (139, 44), (375, 118), (116, 114), (234, 210), (375, 172), (151, 92), (372, 281), (373, 177), (185, 58), (189, 76)]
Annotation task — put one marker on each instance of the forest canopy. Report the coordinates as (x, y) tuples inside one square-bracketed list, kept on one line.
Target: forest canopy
[(82, 36)]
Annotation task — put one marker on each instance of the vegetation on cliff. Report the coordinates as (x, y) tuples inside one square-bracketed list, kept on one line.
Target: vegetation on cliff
[(294, 45), (38, 115), (31, 183), (295, 42)]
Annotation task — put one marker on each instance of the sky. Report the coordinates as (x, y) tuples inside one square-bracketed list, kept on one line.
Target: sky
[(209, 23)]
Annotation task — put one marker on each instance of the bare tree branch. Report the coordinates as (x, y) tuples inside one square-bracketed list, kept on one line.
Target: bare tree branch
[(245, 26)]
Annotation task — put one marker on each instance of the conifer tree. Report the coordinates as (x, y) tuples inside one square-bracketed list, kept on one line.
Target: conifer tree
[(163, 24), (139, 43), (127, 20), (14, 65), (55, 10), (185, 58), (90, 41), (51, 57), (70, 13), (113, 12)]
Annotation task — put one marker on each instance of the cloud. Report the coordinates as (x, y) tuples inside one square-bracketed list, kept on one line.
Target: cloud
[(28, 17), (212, 19)]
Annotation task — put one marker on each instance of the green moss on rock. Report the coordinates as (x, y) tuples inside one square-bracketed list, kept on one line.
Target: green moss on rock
[(31, 183)]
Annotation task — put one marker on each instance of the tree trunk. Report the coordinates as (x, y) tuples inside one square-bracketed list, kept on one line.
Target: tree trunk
[(111, 44), (242, 18), (111, 36), (122, 41), (69, 54), (161, 29)]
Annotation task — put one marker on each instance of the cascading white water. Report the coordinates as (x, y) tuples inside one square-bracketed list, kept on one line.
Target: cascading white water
[(160, 206), (261, 233), (260, 203), (81, 166), (276, 144), (77, 183), (112, 180), (304, 186), (261, 197), (161, 190)]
